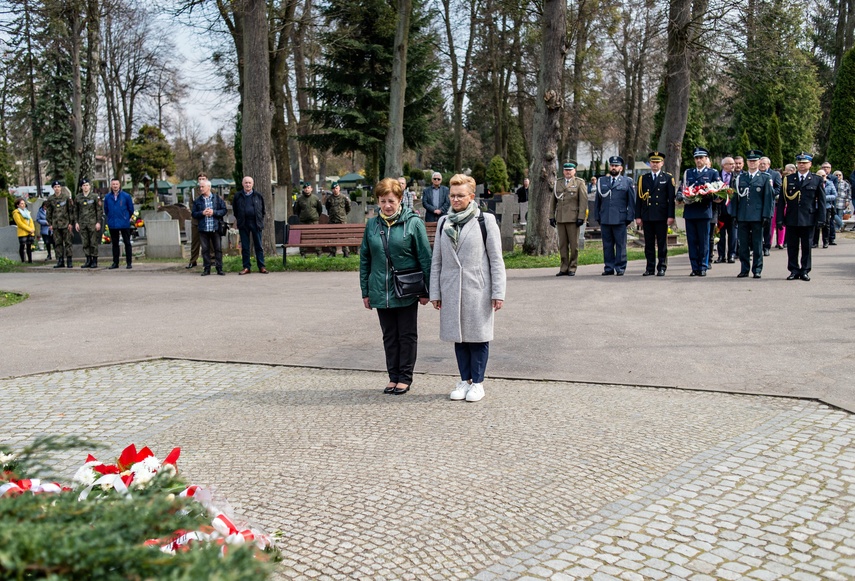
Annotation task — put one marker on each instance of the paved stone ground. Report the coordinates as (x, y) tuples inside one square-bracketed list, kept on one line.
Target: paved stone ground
[(540, 480)]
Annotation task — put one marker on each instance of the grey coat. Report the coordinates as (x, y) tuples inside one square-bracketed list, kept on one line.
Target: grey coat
[(466, 280)]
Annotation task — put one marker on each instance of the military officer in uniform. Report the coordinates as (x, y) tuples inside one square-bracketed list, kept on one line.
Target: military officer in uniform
[(60, 216), (801, 207), (308, 209), (338, 207), (614, 209), (654, 212), (90, 216), (751, 204), (567, 211), (698, 214)]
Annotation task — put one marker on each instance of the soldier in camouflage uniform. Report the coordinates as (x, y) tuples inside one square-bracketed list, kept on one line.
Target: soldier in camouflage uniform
[(60, 217), (338, 207), (308, 209), (90, 216)]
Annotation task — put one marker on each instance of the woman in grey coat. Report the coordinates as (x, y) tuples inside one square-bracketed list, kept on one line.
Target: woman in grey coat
[(467, 284)]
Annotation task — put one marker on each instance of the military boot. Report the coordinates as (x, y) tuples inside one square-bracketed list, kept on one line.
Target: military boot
[(87, 263), (94, 263), (68, 262), (60, 262)]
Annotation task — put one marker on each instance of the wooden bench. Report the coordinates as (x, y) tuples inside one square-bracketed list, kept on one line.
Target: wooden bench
[(327, 235)]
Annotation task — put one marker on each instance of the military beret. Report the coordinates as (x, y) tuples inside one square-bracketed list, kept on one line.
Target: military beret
[(307, 184), (656, 156), (84, 181), (701, 152), (570, 165), (55, 183), (753, 154), (804, 156), (615, 160), (334, 185)]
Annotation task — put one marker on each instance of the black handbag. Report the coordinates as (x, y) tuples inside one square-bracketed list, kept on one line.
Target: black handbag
[(405, 283), (222, 227)]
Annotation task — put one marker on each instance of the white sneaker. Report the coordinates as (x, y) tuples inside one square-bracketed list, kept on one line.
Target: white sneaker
[(459, 392), (475, 393)]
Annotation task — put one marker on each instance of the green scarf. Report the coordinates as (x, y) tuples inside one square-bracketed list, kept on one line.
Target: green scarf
[(456, 220)]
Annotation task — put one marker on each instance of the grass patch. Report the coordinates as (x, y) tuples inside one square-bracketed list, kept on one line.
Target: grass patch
[(8, 299), (7, 265), (589, 255)]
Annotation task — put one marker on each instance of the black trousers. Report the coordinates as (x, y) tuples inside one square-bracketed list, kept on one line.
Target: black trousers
[(25, 248), (400, 340), (125, 233), (48, 240), (751, 241), (829, 232), (767, 235), (727, 237), (798, 236), (655, 238), (211, 241)]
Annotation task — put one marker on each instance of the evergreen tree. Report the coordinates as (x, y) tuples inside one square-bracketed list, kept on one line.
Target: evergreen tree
[(53, 107), (148, 153), (773, 143), (497, 175), (353, 81), (744, 143), (841, 143)]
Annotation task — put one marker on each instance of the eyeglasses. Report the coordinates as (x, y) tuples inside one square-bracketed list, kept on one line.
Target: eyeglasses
[(436, 179), (455, 197)]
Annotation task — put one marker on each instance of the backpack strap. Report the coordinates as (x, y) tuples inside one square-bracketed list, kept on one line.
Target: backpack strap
[(483, 229)]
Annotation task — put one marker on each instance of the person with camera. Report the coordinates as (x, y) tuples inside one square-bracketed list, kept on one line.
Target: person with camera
[(468, 284), (394, 252), (209, 209)]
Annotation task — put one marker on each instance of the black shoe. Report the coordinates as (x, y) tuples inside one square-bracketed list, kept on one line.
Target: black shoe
[(206, 272), (191, 265), (660, 272), (825, 245), (793, 276), (562, 273), (765, 252), (814, 245), (742, 275), (647, 273), (94, 263), (730, 260), (113, 266), (60, 263), (756, 275), (87, 263), (779, 247), (129, 266), (390, 388), (718, 260), (571, 273), (703, 273), (804, 276), (694, 273), (832, 243), (399, 391), (784, 246), (619, 273), (608, 273), (68, 263), (221, 273)]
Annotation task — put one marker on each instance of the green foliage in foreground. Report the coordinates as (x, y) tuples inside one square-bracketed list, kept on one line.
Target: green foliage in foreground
[(55, 536), (8, 299), (7, 265)]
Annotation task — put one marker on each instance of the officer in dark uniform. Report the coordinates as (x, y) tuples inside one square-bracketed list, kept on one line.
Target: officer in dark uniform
[(751, 204), (90, 216), (60, 216), (801, 207), (614, 209), (654, 212), (698, 214)]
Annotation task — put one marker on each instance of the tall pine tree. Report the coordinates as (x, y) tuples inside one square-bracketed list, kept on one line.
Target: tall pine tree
[(352, 94), (841, 142)]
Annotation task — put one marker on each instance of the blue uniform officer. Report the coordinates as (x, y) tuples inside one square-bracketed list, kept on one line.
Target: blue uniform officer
[(698, 214), (614, 210)]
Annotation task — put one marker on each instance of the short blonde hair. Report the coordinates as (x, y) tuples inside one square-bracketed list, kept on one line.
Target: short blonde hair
[(388, 186), (463, 180)]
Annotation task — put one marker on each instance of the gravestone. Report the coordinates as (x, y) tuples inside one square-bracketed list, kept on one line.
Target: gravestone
[(508, 209), (356, 214), (4, 213), (9, 241), (281, 204), (164, 239)]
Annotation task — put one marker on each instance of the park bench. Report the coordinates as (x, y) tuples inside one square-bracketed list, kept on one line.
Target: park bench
[(327, 235)]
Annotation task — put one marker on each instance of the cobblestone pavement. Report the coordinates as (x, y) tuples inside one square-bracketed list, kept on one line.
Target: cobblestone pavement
[(540, 480)]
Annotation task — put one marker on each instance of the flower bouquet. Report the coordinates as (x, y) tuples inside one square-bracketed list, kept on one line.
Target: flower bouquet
[(710, 191)]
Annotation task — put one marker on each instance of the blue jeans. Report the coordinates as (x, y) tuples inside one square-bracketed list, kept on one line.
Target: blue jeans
[(245, 234), (472, 360), (698, 239)]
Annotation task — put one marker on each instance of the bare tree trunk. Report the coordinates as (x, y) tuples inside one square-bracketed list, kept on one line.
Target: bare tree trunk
[(76, 26), (278, 68), (31, 90), (586, 9), (677, 79), (90, 88), (398, 93), (256, 110), (539, 239), (300, 41), (459, 79)]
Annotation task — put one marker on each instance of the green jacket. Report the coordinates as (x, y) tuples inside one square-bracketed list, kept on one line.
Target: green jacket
[(408, 247), (308, 209)]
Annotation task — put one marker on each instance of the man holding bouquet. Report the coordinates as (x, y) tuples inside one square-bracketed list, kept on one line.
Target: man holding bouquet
[(752, 209), (698, 211)]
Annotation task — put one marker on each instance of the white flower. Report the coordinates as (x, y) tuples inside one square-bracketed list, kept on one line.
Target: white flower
[(143, 475), (152, 463), (85, 475), (7, 458)]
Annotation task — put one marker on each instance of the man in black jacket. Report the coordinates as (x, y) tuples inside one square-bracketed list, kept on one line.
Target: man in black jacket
[(248, 207)]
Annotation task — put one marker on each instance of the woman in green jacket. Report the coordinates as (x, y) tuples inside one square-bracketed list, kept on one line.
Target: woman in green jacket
[(408, 248)]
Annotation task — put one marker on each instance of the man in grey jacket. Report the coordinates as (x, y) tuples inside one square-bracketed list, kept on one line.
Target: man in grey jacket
[(435, 199)]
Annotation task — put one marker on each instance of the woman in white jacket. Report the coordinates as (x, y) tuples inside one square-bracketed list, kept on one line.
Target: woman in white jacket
[(467, 284)]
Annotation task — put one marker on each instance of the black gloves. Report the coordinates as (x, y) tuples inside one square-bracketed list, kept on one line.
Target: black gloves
[(579, 222), (766, 222), (552, 222)]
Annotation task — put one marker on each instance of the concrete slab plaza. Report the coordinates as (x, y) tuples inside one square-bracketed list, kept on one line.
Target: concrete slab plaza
[(582, 462)]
